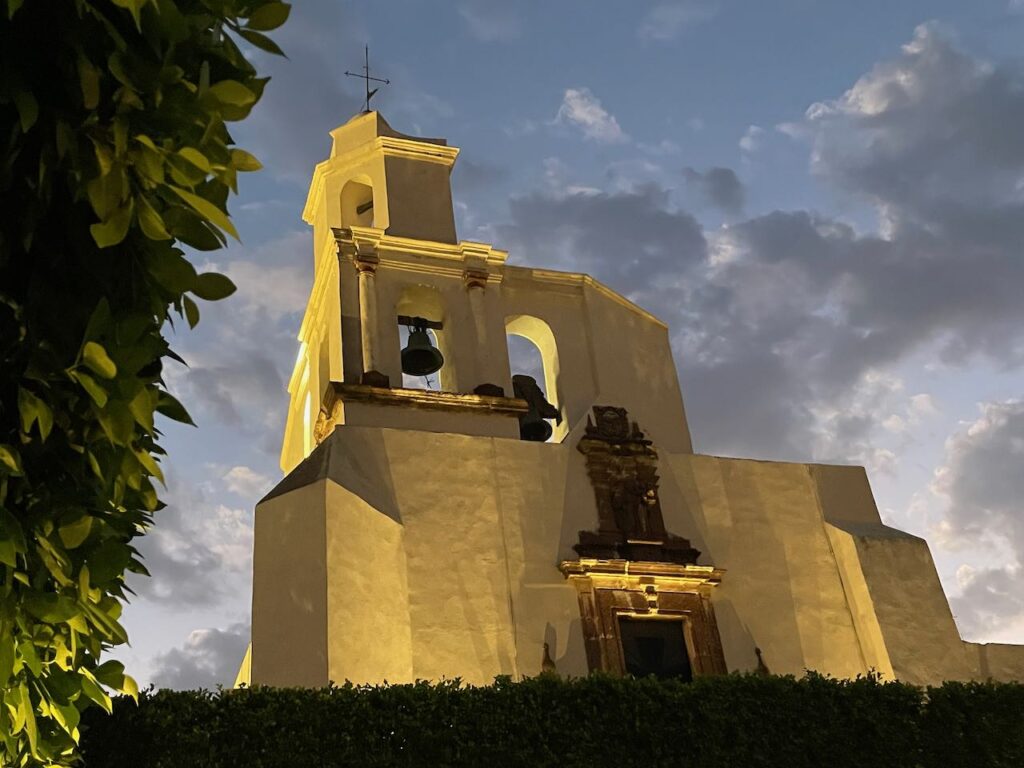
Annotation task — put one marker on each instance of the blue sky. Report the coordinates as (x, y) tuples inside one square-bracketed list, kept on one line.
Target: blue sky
[(824, 199)]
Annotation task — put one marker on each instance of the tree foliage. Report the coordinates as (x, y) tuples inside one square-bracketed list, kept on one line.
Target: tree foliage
[(115, 150)]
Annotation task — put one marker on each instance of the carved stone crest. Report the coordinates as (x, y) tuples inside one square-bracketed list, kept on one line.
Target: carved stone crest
[(623, 470)]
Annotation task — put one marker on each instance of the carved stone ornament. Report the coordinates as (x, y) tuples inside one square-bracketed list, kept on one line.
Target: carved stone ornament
[(623, 470)]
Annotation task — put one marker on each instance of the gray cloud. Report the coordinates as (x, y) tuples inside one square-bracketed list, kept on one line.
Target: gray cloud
[(198, 552), (983, 484), (208, 658), (783, 322), (719, 187)]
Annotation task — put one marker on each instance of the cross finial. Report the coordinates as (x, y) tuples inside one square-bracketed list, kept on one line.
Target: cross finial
[(366, 77)]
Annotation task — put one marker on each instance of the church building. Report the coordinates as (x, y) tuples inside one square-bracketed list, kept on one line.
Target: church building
[(444, 515)]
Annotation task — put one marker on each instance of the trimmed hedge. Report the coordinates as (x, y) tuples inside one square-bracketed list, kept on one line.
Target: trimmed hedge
[(740, 721)]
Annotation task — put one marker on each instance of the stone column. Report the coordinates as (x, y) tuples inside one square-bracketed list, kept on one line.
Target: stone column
[(366, 267), (476, 284)]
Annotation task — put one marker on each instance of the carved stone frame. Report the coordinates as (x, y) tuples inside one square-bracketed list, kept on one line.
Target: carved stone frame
[(610, 589)]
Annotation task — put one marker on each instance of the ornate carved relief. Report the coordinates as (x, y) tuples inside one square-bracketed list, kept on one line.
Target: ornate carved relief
[(623, 469)]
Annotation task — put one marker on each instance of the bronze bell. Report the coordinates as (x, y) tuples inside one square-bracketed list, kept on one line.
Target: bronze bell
[(420, 357), (532, 424)]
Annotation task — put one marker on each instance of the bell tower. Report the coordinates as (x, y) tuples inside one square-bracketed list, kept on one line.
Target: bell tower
[(386, 257)]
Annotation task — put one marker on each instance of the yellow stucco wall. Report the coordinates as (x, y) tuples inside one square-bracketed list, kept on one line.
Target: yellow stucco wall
[(440, 557)]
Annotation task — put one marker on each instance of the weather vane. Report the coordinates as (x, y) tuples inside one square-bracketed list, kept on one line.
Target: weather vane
[(366, 76)]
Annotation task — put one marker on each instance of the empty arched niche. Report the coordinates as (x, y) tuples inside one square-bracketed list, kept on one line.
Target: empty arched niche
[(524, 359), (357, 203), (425, 302)]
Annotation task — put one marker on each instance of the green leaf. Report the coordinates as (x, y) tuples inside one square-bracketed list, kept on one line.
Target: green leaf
[(172, 271), (108, 561), (6, 659), (150, 222), (8, 556), (191, 311), (197, 158), (89, 384), (96, 357), (213, 286), (10, 458), (113, 230), (28, 109), (149, 464), (232, 92), (141, 407), (49, 607), (93, 691), (269, 16), (262, 42), (33, 410), (169, 406), (110, 673), (72, 535), (28, 654), (134, 7), (243, 161), (208, 210)]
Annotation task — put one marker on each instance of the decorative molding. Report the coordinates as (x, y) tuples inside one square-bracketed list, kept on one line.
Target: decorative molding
[(608, 591), (632, 573), (623, 469)]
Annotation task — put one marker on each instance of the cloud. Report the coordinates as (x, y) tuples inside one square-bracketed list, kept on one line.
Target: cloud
[(208, 658), (238, 370), (582, 109), (666, 21), (246, 482), (198, 552), (490, 21), (751, 139), (719, 187), (984, 489), (933, 131)]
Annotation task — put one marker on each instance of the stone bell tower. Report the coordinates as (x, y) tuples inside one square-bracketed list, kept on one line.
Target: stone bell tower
[(430, 532)]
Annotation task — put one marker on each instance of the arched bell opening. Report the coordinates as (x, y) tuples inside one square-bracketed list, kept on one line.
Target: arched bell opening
[(533, 353), (419, 319), (357, 203)]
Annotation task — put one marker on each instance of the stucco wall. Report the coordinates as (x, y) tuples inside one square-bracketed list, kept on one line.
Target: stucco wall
[(442, 552), (289, 589)]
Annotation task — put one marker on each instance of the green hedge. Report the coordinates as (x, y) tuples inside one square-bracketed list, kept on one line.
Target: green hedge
[(724, 722)]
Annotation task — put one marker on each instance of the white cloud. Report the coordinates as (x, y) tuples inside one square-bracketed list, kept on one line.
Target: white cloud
[(666, 21), (581, 108), (751, 139), (246, 482)]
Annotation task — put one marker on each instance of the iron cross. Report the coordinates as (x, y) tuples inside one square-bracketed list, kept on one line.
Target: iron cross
[(366, 76)]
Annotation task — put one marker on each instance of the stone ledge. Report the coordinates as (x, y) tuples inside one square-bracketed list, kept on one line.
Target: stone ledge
[(428, 399)]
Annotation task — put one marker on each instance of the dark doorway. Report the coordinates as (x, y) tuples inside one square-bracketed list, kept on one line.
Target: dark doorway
[(654, 647)]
